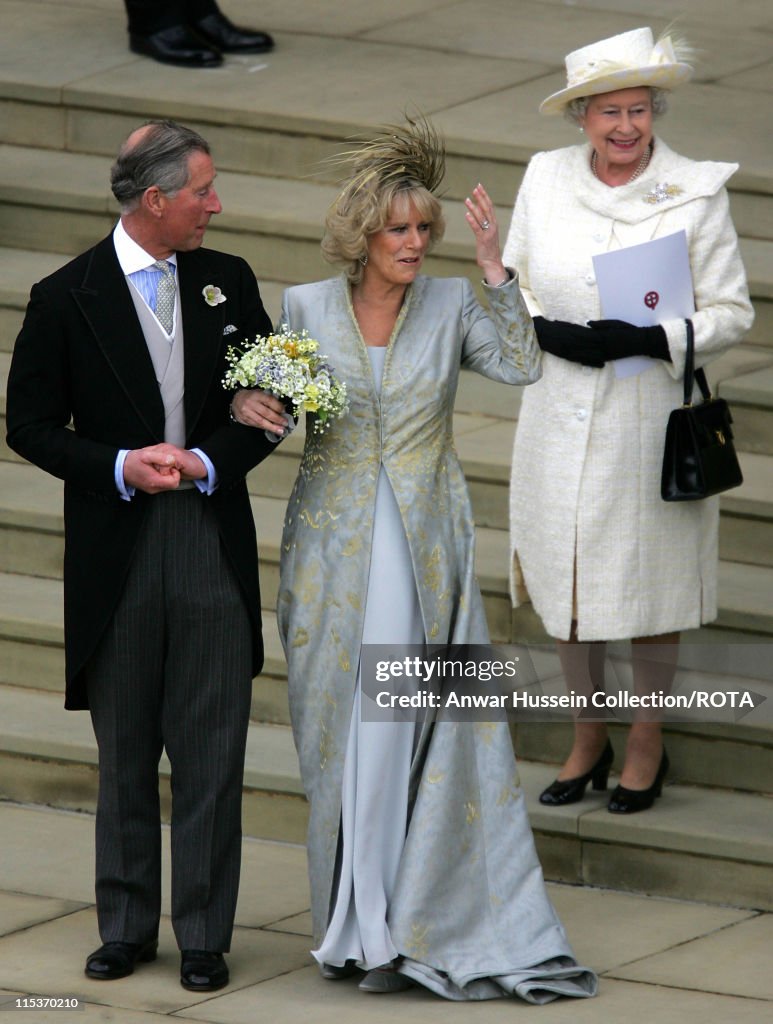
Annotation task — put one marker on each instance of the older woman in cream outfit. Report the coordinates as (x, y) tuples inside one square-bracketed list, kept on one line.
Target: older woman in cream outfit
[(601, 555)]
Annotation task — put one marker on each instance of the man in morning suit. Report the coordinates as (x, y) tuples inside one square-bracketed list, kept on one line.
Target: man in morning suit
[(115, 388)]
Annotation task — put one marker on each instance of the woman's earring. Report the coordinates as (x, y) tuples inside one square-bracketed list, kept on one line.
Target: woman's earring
[(580, 129), (364, 260)]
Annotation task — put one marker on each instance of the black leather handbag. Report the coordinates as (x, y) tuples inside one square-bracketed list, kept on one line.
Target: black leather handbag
[(699, 457)]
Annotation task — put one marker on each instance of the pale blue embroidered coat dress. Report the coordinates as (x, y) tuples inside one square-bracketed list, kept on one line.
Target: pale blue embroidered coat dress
[(469, 910)]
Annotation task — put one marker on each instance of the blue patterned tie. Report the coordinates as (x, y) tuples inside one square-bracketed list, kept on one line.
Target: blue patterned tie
[(165, 296)]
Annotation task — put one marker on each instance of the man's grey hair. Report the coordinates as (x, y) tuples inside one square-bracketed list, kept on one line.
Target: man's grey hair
[(159, 158), (574, 110)]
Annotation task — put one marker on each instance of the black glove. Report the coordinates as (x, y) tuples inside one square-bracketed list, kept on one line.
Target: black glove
[(570, 341), (619, 340)]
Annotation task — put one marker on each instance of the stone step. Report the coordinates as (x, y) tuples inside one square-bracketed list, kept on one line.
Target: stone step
[(32, 645), (484, 428), (32, 542), (710, 753), (32, 657), (6, 453), (751, 399), (714, 845), (21, 268), (32, 539), (745, 533), (280, 149), (484, 407), (58, 201), (49, 756), (484, 444), (283, 113), (277, 116), (711, 748)]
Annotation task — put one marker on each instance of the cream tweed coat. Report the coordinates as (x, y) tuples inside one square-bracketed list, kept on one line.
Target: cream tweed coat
[(589, 530)]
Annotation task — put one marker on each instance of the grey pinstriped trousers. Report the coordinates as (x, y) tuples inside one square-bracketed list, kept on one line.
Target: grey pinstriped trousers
[(173, 670)]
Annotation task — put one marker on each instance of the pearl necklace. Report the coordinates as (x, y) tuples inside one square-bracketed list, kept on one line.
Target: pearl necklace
[(640, 167)]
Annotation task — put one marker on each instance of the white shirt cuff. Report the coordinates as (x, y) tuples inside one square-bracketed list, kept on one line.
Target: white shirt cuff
[(209, 485), (126, 492)]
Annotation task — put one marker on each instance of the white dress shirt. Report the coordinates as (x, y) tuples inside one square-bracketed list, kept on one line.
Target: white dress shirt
[(137, 266)]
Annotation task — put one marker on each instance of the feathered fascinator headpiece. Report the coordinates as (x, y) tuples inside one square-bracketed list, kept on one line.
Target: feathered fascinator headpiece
[(408, 155), (406, 158)]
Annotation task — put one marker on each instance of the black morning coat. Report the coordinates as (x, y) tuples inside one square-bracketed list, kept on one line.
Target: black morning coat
[(81, 357)]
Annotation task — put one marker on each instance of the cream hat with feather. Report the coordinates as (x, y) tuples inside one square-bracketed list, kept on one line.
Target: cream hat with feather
[(624, 61)]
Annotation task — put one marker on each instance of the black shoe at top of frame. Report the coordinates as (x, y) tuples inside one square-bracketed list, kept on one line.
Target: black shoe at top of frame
[(177, 45), (226, 37)]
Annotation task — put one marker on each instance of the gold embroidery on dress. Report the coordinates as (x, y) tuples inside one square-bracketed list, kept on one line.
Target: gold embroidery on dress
[(352, 546), (301, 637), (508, 794), (309, 592), (417, 946), (486, 731), (432, 570), (319, 520), (327, 746)]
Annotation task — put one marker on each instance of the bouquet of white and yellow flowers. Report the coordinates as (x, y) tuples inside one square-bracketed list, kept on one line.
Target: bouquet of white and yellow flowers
[(288, 365)]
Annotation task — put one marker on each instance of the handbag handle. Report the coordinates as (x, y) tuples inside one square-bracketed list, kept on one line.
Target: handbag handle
[(690, 373)]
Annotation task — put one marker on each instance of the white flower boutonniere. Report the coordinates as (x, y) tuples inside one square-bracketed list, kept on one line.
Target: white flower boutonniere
[(212, 295)]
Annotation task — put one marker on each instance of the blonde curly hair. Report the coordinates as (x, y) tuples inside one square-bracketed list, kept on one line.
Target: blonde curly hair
[(400, 164)]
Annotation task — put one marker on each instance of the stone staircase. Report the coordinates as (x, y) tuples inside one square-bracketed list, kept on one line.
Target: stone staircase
[(711, 837)]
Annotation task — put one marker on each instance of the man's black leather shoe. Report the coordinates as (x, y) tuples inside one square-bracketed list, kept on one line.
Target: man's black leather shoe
[(201, 971), (176, 45), (118, 959), (223, 35)]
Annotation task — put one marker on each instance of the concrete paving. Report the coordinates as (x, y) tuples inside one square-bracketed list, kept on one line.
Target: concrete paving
[(661, 959)]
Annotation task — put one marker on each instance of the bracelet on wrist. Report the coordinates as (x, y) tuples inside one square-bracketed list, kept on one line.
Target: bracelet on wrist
[(504, 281)]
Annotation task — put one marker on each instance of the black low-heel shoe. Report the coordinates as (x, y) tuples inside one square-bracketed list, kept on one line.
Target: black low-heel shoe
[(569, 791), (202, 971), (332, 972), (118, 959), (629, 801)]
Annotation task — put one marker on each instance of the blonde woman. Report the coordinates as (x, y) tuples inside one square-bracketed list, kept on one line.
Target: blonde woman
[(421, 859)]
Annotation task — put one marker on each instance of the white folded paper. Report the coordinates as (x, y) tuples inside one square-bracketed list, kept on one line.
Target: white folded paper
[(645, 285)]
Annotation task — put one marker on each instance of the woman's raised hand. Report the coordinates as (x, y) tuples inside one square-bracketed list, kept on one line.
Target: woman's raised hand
[(482, 219)]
